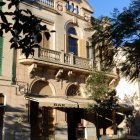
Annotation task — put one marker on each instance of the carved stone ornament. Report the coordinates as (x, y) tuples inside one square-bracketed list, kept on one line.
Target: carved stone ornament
[(60, 6), (86, 17)]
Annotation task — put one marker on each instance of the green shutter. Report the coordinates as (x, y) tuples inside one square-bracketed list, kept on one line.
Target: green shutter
[(1, 50)]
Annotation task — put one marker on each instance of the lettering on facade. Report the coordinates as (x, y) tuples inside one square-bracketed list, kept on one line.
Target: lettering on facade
[(59, 105)]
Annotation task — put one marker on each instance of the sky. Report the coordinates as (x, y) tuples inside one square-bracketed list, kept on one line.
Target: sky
[(105, 7)]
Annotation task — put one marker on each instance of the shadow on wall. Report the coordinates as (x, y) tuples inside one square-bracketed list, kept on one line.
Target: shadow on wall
[(16, 125)]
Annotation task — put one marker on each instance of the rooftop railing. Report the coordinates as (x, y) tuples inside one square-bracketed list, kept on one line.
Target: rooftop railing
[(49, 3)]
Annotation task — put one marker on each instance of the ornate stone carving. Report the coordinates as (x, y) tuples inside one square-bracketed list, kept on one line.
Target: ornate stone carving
[(60, 6), (58, 74), (31, 69)]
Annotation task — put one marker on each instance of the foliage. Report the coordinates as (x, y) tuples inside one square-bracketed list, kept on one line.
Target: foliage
[(108, 103), (120, 31), (126, 34), (102, 41), (24, 27), (98, 86)]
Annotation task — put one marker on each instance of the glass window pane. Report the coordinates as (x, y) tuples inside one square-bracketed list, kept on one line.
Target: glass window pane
[(67, 5), (72, 45), (72, 30), (77, 10)]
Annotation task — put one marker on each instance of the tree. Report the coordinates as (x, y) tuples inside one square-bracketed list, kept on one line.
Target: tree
[(120, 32), (106, 99), (98, 86), (25, 28), (126, 35)]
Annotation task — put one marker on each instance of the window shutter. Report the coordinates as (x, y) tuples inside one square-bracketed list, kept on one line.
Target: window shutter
[(83, 50), (1, 50)]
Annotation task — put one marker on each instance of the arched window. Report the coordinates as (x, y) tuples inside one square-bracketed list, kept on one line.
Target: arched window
[(77, 10), (72, 41), (71, 7), (72, 30), (67, 5), (73, 90)]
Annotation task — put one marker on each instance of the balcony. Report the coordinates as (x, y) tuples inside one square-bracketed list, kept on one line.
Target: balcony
[(55, 59)]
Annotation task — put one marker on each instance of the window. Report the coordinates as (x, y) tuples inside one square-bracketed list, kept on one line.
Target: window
[(67, 5), (72, 8), (72, 30), (72, 41), (1, 50), (76, 10), (44, 42), (73, 90)]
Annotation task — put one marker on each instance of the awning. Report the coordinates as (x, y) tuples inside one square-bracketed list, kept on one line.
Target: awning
[(60, 102), (82, 102)]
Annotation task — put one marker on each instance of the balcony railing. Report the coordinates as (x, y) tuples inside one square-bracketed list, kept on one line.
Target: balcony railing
[(82, 62), (65, 58), (60, 58), (49, 54), (49, 3)]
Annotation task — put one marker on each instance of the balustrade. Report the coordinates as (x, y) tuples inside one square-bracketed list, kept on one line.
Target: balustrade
[(67, 58), (49, 3), (49, 54), (82, 62), (62, 58)]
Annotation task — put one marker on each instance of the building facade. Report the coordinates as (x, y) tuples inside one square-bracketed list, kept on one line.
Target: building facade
[(45, 94)]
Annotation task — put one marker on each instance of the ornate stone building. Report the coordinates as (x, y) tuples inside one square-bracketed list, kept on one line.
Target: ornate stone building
[(45, 94)]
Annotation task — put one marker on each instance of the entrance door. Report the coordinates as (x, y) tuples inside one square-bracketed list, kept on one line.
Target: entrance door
[(47, 123), (41, 120), (73, 119)]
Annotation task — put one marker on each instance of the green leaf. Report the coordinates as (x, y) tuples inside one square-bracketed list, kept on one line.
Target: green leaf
[(14, 45)]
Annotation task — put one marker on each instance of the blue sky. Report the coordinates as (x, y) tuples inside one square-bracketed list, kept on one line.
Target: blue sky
[(105, 7)]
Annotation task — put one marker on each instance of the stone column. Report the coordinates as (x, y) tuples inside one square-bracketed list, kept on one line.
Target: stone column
[(62, 58)]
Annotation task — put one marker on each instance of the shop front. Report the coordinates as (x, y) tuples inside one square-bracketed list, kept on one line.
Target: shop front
[(55, 117)]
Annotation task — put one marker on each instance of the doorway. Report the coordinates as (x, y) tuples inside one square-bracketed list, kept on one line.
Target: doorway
[(74, 117)]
